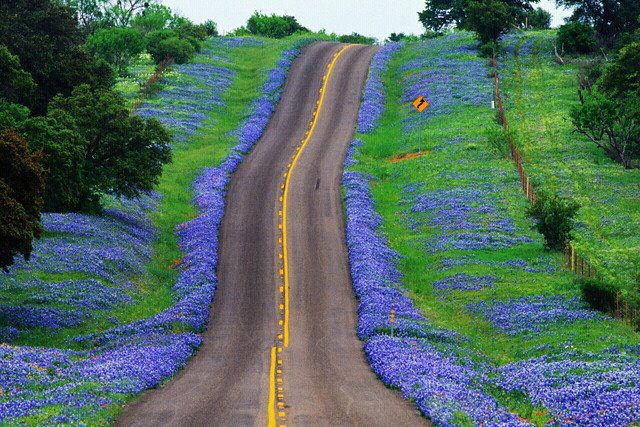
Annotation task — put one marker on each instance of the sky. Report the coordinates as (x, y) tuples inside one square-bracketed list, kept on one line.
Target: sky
[(377, 18)]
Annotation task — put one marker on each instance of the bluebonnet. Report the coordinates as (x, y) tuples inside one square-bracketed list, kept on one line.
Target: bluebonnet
[(534, 314)]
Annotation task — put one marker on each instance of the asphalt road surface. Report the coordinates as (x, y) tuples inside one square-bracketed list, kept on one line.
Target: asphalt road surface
[(326, 379)]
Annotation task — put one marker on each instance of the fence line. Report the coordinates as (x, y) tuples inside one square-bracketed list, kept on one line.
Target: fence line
[(573, 261), (155, 77)]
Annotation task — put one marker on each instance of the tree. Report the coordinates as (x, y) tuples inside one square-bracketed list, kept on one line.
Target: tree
[(554, 217), (211, 28), (21, 186), (356, 38), (16, 85), (441, 14), (155, 17), (120, 153), (116, 45), (90, 13), (610, 18), (576, 37), (623, 75), (46, 38), (273, 26), (121, 12), (489, 19), (613, 124), (538, 19)]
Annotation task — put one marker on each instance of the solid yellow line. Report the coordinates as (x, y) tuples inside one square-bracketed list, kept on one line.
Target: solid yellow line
[(286, 189), (271, 413)]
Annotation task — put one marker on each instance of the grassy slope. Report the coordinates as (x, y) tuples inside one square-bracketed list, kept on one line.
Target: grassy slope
[(206, 148), (473, 162), (539, 96)]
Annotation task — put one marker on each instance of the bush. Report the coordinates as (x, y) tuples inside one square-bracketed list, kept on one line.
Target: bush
[(153, 39), (554, 217), (273, 26), (116, 45), (210, 28), (600, 295), (356, 39), (623, 75), (156, 17), (21, 187), (576, 38), (538, 19), (180, 50)]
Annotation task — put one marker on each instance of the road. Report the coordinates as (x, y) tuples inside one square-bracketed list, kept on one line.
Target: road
[(322, 375)]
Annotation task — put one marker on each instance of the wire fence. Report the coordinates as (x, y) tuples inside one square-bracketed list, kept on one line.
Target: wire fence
[(149, 84), (573, 261)]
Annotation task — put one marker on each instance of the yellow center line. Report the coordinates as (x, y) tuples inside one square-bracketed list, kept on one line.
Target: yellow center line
[(271, 413), (309, 134)]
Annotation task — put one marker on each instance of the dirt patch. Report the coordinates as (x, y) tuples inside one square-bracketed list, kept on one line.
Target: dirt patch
[(408, 156)]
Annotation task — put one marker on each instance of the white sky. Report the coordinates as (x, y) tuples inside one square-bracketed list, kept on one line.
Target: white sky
[(377, 18)]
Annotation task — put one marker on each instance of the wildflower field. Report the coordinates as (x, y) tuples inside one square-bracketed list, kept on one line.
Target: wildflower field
[(114, 301), (489, 328), (539, 94)]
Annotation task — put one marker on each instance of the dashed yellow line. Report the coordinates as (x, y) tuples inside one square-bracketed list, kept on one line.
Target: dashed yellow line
[(276, 389)]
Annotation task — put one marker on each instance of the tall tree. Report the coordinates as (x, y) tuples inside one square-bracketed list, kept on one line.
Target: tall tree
[(611, 18), (21, 187), (46, 38), (16, 85), (441, 14)]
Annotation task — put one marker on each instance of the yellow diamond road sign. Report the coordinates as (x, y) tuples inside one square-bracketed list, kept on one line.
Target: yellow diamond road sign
[(420, 103)]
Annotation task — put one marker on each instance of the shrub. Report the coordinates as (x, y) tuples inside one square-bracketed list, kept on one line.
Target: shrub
[(210, 28), (356, 38), (577, 38), (180, 50), (623, 75), (21, 186), (554, 217), (273, 26), (116, 45), (153, 39), (600, 295)]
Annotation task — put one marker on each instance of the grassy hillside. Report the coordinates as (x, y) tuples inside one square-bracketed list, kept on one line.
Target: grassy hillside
[(539, 94), (512, 334)]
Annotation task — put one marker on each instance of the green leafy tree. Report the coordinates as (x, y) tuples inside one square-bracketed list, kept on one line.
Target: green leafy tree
[(120, 13), (441, 14), (273, 26), (46, 38), (611, 18), (623, 75), (489, 19), (90, 13), (12, 115), (120, 153), (210, 28), (612, 123), (116, 45), (555, 217), (21, 187), (153, 18), (356, 38), (16, 85), (576, 37), (538, 19)]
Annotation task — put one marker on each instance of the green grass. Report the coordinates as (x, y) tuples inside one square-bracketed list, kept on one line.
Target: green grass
[(539, 94), (468, 163)]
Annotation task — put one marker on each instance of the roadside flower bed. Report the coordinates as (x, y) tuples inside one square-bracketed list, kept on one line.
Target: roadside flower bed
[(504, 337), (130, 358)]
